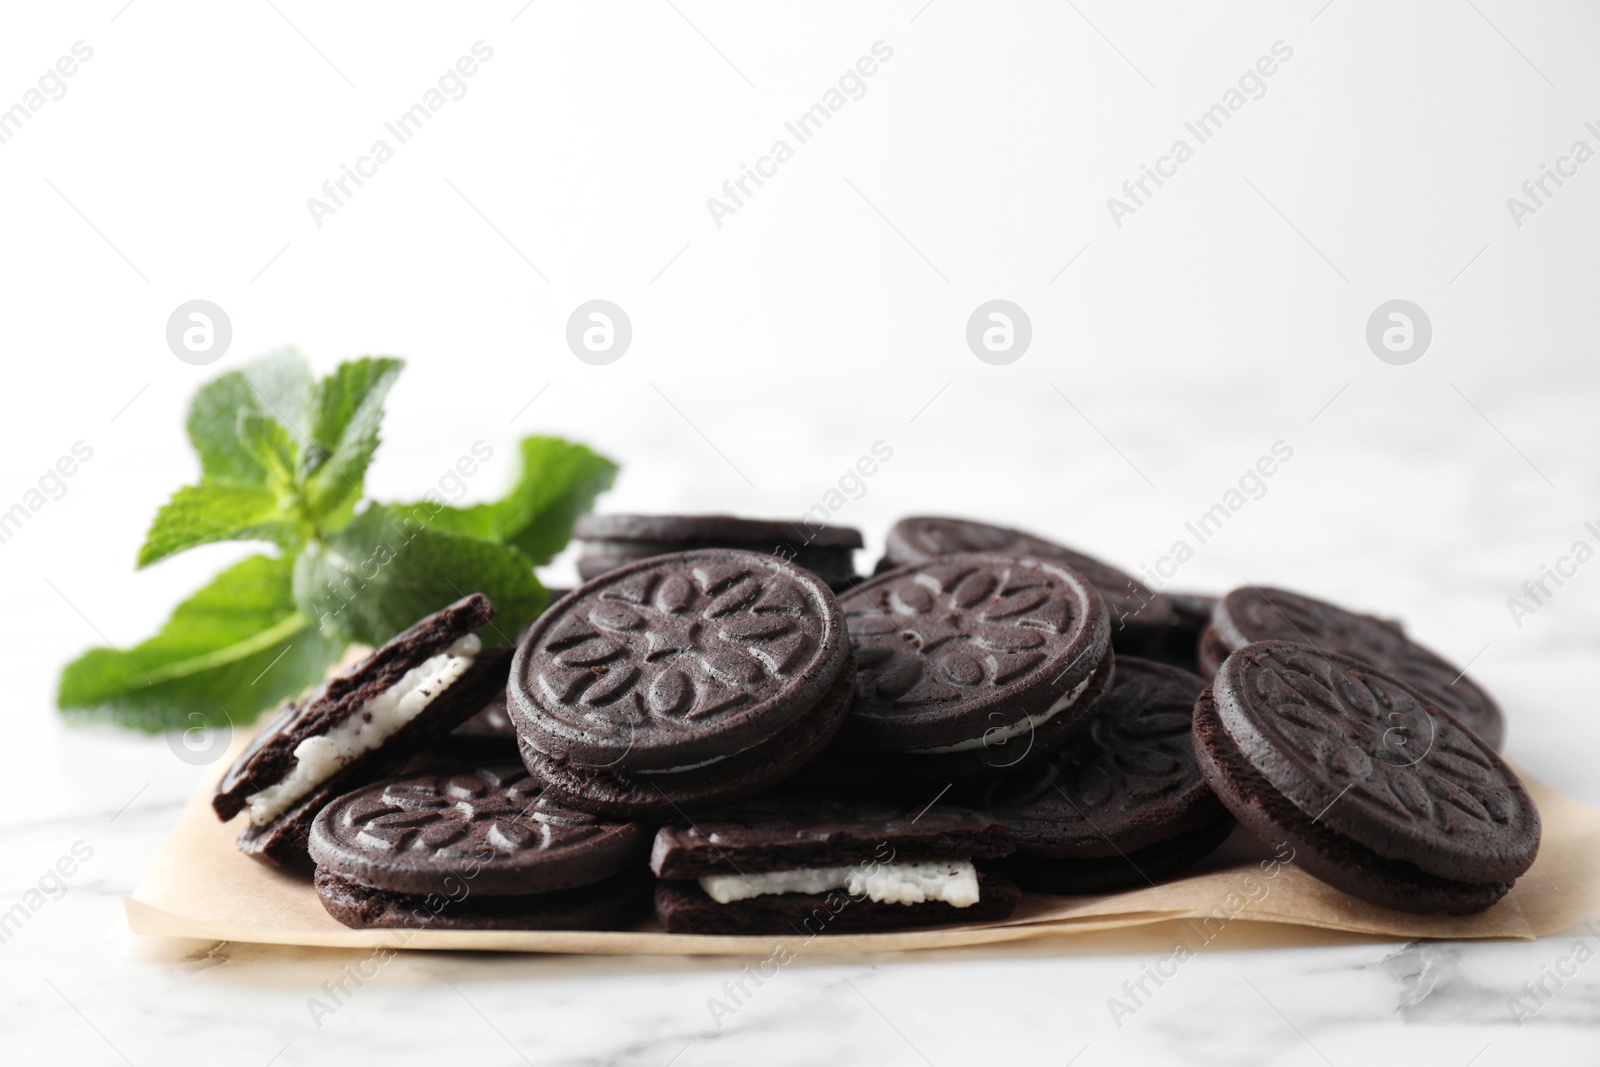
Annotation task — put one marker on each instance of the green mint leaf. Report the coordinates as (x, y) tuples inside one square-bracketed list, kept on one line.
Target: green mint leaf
[(269, 444), (558, 481), (219, 511), (276, 386), (388, 567), (234, 648), (346, 408)]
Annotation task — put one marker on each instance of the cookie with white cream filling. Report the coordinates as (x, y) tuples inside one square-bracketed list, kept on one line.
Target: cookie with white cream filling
[(360, 725), (806, 866)]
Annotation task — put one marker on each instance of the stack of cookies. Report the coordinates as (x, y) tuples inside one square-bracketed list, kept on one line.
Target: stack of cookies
[(726, 721)]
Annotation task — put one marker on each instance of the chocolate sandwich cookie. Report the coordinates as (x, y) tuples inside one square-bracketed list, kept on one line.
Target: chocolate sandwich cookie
[(1379, 792), (681, 682), (969, 665), (1140, 617), (609, 541), (360, 726), (1257, 614), (812, 867), (479, 849), (1124, 805)]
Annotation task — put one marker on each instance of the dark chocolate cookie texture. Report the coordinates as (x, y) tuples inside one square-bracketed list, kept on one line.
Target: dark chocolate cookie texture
[(475, 848), (968, 665), (1382, 795), (409, 834), (942, 645), (1123, 805), (1133, 606), (1259, 614), (811, 866), (784, 833), (359, 726), (682, 679), (1130, 781), (611, 541)]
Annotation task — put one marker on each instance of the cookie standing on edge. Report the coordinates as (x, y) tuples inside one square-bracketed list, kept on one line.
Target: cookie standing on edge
[(968, 665), (475, 850), (609, 541), (811, 867), (1254, 614), (1123, 806), (1140, 618), (681, 682), (1380, 793), (360, 726)]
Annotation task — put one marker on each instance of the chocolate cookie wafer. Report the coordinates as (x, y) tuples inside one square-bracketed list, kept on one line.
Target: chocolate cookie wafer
[(1380, 793), (359, 726), (969, 665), (1265, 614), (1124, 805), (1141, 618), (681, 682), (475, 849), (609, 541), (818, 867)]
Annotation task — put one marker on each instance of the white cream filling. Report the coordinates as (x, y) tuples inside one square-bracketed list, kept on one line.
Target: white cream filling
[(318, 758), (686, 766), (999, 735), (955, 882)]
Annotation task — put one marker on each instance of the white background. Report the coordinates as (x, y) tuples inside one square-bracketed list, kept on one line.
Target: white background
[(770, 353)]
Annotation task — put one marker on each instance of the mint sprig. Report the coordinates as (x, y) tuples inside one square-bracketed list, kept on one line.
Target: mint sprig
[(558, 481), (389, 564), (276, 386), (219, 511), (238, 645), (283, 459), (346, 408)]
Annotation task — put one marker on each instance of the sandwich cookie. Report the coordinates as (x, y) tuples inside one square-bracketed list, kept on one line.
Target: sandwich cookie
[(610, 541), (1255, 614), (681, 682), (475, 849), (969, 665), (1140, 617), (360, 726), (808, 867), (1379, 792), (1125, 805)]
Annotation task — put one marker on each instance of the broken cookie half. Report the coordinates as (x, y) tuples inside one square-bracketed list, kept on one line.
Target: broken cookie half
[(360, 726)]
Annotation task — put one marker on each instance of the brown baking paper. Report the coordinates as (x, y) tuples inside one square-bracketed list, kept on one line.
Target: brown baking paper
[(200, 886)]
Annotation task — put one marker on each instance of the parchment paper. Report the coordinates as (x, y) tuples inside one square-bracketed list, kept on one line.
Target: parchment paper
[(200, 886)]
